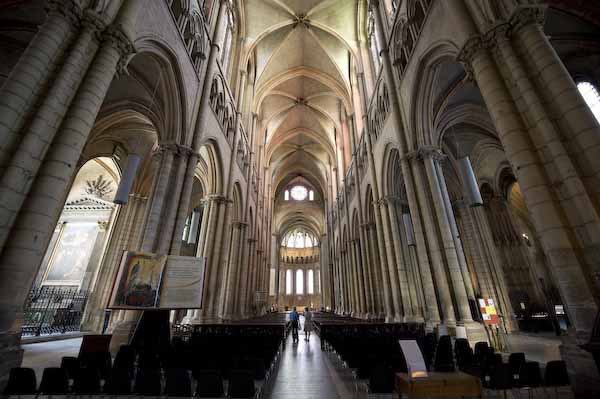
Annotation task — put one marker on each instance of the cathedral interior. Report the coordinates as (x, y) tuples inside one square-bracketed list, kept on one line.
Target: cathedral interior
[(416, 169)]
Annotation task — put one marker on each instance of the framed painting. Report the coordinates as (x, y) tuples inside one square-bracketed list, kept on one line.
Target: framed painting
[(138, 281)]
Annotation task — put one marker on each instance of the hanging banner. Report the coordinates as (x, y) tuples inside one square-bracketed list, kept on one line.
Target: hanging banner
[(488, 310), (152, 281)]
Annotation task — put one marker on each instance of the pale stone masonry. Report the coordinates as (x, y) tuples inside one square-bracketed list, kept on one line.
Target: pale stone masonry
[(348, 124)]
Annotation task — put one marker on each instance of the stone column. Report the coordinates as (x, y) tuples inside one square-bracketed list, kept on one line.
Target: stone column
[(27, 158), (385, 278), (548, 217), (249, 276), (159, 194), (369, 277), (32, 73), (454, 269), (347, 294), (192, 159), (415, 287), (407, 172), (233, 269), (376, 271), (241, 294), (392, 262), (361, 278), (211, 250), (441, 280), (354, 278), (344, 295), (559, 94), (277, 268), (565, 254), (402, 276), (574, 197), (40, 212), (454, 230), (495, 282)]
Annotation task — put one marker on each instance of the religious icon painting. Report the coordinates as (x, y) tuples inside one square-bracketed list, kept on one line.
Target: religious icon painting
[(138, 281)]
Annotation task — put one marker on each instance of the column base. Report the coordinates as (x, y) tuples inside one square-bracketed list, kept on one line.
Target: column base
[(475, 332), (583, 371), (414, 319), (11, 354), (430, 325)]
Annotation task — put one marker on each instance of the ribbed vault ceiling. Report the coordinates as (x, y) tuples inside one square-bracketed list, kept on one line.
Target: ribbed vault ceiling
[(301, 51)]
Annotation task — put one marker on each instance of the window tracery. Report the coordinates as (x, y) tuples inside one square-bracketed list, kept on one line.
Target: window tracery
[(299, 193), (299, 239)]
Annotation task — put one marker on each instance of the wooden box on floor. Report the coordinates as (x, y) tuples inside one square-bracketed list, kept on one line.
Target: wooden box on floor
[(438, 384)]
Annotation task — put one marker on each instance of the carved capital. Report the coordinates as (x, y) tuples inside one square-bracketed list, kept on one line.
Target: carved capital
[(67, 9), (527, 15), (177, 149), (218, 198), (499, 33), (472, 47), (91, 21), (114, 36), (430, 152)]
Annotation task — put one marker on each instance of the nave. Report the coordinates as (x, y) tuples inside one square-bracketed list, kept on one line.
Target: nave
[(314, 369), (429, 163)]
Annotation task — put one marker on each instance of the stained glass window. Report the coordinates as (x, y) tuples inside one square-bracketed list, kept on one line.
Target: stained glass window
[(299, 193), (311, 282), (299, 282)]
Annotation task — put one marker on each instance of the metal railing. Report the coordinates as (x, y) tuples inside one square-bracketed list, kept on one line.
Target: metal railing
[(53, 310)]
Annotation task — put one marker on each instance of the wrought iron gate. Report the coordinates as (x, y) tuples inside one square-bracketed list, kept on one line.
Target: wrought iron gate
[(53, 310)]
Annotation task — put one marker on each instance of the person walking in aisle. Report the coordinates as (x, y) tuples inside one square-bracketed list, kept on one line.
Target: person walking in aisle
[(295, 319), (308, 323)]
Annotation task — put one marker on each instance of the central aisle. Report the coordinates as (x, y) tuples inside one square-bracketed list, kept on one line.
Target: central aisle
[(305, 372)]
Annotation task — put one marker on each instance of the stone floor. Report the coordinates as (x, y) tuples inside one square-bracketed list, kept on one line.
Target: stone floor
[(48, 354), (306, 372), (542, 347)]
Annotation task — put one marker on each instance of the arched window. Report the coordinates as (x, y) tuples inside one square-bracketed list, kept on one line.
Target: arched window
[(373, 43), (591, 97), (272, 282), (288, 282), (299, 282), (311, 195), (228, 40), (286, 195), (311, 282), (308, 242), (299, 239)]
